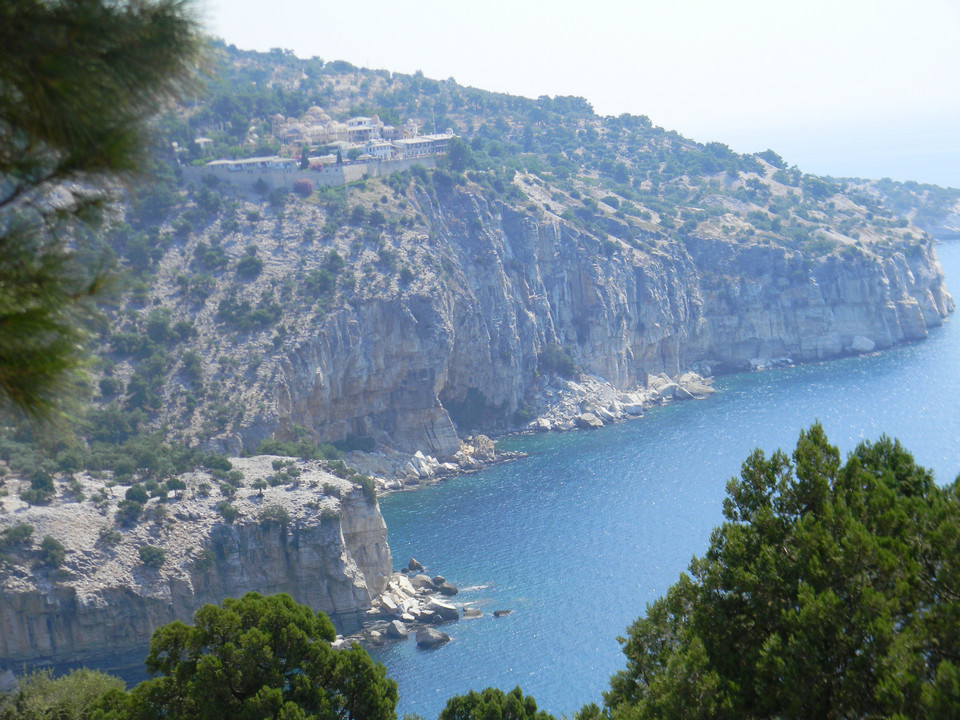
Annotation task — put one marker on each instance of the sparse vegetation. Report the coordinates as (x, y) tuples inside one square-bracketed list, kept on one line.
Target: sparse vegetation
[(274, 516), (152, 557), (52, 552), (228, 512)]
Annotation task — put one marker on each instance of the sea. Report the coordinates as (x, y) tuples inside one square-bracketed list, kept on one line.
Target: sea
[(577, 538)]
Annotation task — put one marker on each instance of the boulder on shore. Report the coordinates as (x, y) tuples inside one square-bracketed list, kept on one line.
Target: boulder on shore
[(589, 421), (447, 589), (397, 630), (423, 581), (431, 638), (443, 610), (414, 565)]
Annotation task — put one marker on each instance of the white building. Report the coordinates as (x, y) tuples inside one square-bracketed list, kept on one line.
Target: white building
[(422, 145)]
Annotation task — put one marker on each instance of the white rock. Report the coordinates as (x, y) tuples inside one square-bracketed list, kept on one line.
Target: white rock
[(604, 415), (405, 586), (388, 603), (397, 630)]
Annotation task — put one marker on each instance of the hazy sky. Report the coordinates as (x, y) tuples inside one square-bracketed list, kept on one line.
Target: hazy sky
[(840, 87)]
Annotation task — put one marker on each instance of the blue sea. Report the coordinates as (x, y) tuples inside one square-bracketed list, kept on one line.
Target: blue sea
[(578, 537)]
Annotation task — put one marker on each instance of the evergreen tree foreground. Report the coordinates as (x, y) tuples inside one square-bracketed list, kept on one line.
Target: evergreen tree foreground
[(79, 81), (832, 590), (252, 658)]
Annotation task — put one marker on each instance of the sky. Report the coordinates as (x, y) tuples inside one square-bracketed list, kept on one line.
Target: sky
[(864, 88)]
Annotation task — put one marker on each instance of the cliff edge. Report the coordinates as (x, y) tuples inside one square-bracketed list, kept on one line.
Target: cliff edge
[(320, 539)]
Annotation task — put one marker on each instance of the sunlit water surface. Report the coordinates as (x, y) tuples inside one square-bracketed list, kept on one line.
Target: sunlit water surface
[(577, 538)]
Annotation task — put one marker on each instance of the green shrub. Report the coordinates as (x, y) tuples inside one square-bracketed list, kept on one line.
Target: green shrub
[(152, 557), (205, 559), (227, 511), (329, 515), (52, 552), (69, 697), (274, 516), (556, 359), (41, 490), (15, 536), (137, 493), (109, 535), (368, 486), (128, 512), (215, 461), (339, 468), (249, 267), (331, 490)]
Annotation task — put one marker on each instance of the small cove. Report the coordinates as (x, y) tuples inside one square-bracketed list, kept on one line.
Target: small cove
[(577, 538)]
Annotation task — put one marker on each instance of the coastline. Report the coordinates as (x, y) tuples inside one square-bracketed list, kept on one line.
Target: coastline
[(559, 404)]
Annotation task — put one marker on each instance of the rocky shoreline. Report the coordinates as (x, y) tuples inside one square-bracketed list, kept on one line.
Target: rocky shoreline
[(413, 604), (558, 404), (590, 402)]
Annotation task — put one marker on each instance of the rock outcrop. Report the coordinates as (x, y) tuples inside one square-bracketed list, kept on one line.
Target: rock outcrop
[(463, 343), (328, 551)]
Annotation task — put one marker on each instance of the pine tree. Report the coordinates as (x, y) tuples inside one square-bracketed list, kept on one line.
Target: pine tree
[(79, 81)]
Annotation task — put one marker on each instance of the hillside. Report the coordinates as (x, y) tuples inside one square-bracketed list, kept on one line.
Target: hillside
[(407, 310)]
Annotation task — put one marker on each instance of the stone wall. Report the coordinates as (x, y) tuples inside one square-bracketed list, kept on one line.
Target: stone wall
[(330, 175)]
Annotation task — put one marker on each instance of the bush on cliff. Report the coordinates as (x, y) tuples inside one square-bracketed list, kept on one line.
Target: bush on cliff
[(52, 552), (152, 557), (555, 359)]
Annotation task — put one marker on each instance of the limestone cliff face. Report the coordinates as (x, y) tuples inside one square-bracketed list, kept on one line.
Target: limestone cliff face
[(104, 603), (511, 283)]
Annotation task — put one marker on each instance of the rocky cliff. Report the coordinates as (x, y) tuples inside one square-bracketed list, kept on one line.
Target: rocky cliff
[(323, 542), (495, 287), (404, 309)]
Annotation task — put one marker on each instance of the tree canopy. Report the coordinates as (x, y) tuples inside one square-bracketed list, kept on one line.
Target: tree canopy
[(830, 591), (78, 83), (493, 704), (256, 658)]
